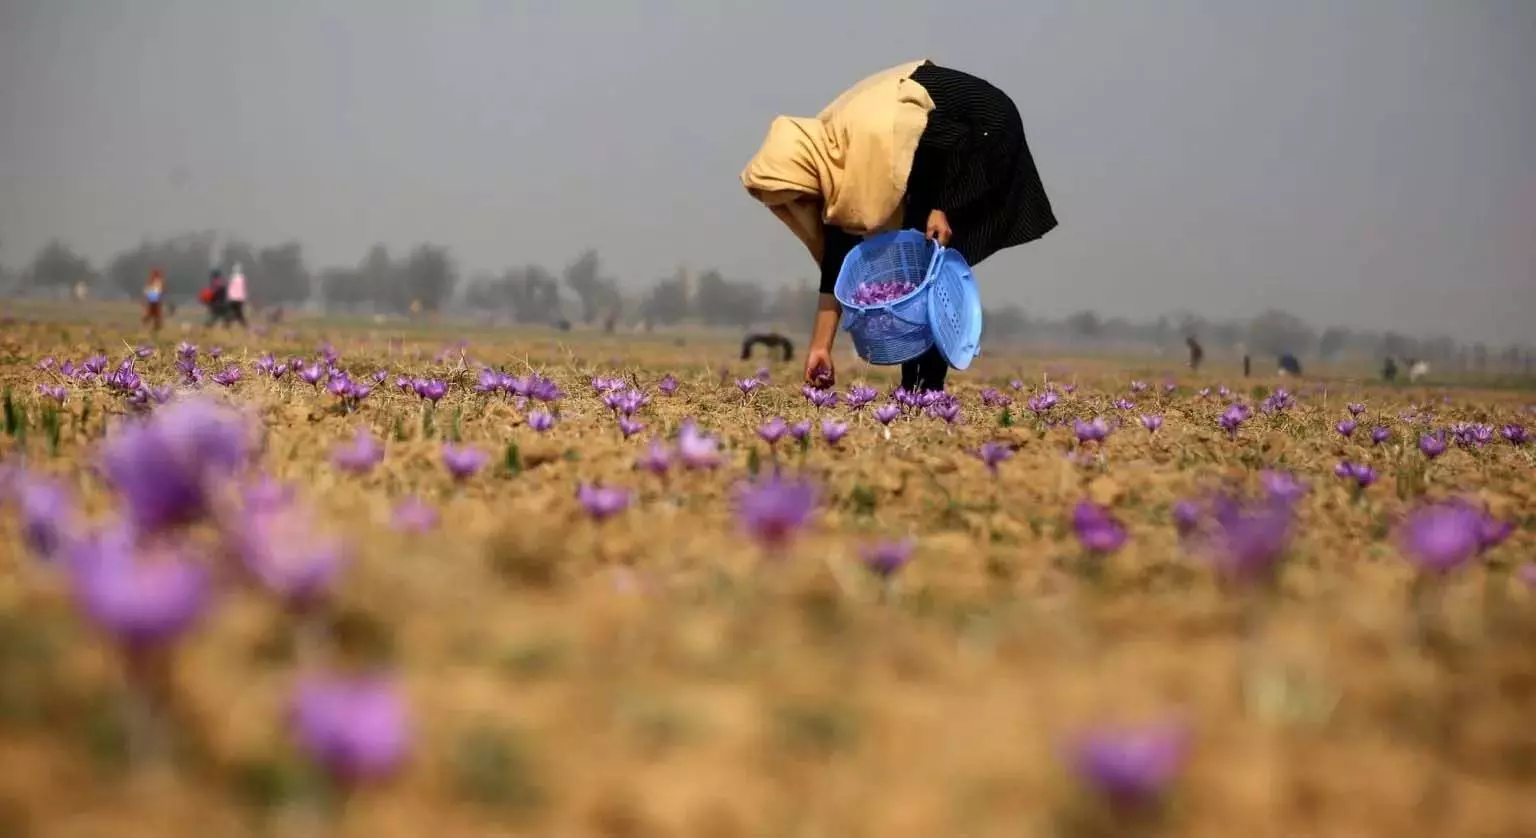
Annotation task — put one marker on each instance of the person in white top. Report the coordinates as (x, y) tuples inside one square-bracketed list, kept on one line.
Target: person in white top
[(237, 295)]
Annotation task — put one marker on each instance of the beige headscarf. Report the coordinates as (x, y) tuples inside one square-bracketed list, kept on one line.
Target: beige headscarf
[(848, 167)]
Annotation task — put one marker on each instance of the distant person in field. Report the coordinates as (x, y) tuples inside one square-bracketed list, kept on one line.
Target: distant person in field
[(215, 295), (154, 301), (237, 296), (917, 146), (1196, 352)]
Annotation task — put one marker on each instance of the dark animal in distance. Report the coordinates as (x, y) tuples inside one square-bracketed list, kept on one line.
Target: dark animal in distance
[(769, 341)]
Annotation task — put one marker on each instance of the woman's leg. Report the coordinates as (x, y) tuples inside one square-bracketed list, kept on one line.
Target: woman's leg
[(925, 372)]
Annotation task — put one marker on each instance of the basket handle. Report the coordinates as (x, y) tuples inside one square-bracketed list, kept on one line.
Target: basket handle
[(933, 264)]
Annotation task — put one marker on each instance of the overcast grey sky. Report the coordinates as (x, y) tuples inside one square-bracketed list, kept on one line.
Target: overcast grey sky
[(1369, 162)]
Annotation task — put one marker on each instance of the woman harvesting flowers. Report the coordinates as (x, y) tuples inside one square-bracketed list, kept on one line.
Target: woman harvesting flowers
[(917, 146)]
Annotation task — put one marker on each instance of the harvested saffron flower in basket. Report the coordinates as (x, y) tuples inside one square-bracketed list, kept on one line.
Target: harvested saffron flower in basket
[(880, 293)]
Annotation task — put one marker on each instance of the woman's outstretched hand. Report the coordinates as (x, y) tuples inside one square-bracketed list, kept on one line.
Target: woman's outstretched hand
[(938, 227), (818, 368)]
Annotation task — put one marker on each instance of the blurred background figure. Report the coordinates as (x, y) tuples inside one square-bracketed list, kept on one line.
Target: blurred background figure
[(1389, 370), (1289, 364), (1196, 352), (215, 295), (154, 300), (236, 297)]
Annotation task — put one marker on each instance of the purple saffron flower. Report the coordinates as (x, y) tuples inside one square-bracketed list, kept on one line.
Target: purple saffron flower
[(773, 510), (58, 393), (163, 467), (432, 390), (629, 427), (356, 728), (1440, 538), (1249, 538), (142, 600), (1131, 767), (280, 549), (1362, 474), (800, 431), (1380, 434), (489, 382), (667, 385), (1513, 433), (1094, 430), (859, 396), (267, 494), (747, 385), (360, 456), (773, 430), (414, 515), (1283, 485), (1345, 427), (602, 502), (1152, 423), (886, 558), (311, 375), (822, 398), (47, 515), (1042, 403), (886, 413), (541, 421), (1355, 408), (994, 454), (1124, 404), (948, 411), (1186, 517), (657, 459), (1097, 529), (96, 364), (463, 462), (695, 448), (1432, 445), (1138, 386), (833, 431), (1233, 418)]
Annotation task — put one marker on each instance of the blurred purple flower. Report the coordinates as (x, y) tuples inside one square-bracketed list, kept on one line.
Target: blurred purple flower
[(657, 459), (360, 456), (1124, 404), (994, 454), (800, 431), (540, 420), (774, 509), (696, 449), (833, 431), (1380, 434), (356, 728), (47, 515), (1515, 434), (463, 462), (629, 427), (773, 430), (1131, 767), (1345, 427), (1355, 408), (1094, 430), (1098, 531), (1441, 537), (142, 600), (1151, 422), (748, 385), (1282, 485), (280, 549), (311, 375), (163, 467), (1362, 474), (886, 558), (412, 514), (602, 502), (1186, 517), (1233, 418), (57, 392), (667, 385), (886, 413), (1432, 444), (859, 396)]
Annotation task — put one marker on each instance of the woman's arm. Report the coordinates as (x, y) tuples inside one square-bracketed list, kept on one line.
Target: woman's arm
[(834, 251)]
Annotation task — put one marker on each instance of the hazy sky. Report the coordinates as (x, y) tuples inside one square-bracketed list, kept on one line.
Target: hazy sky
[(1369, 162)]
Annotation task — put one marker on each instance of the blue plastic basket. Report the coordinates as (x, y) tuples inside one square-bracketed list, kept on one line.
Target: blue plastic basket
[(944, 308)]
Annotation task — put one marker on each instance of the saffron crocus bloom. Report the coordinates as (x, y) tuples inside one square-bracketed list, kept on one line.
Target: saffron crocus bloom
[(657, 459), (859, 396), (748, 385), (463, 462), (1131, 767), (994, 454), (772, 510), (360, 456), (356, 728), (414, 515), (1152, 423), (1282, 485), (1442, 537), (773, 430), (143, 601), (1513, 433), (1355, 408), (886, 558), (280, 549), (1124, 404), (1345, 427), (603, 502), (833, 431), (47, 514), (1043, 402), (667, 385), (1380, 434), (1233, 418), (695, 448), (1432, 445), (163, 467), (1248, 538), (629, 427), (887, 413), (540, 420), (1092, 431), (800, 431), (1097, 529), (311, 375), (1186, 517), (1362, 474)]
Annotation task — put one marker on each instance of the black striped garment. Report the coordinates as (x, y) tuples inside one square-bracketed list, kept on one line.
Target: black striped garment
[(973, 163)]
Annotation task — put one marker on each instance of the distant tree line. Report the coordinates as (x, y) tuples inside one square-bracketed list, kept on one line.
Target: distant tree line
[(426, 279)]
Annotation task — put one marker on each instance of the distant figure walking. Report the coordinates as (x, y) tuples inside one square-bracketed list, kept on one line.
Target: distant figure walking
[(1289, 365), (154, 301), (1247, 366), (237, 297), (1389, 370), (770, 341), (215, 295), (1196, 352)]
